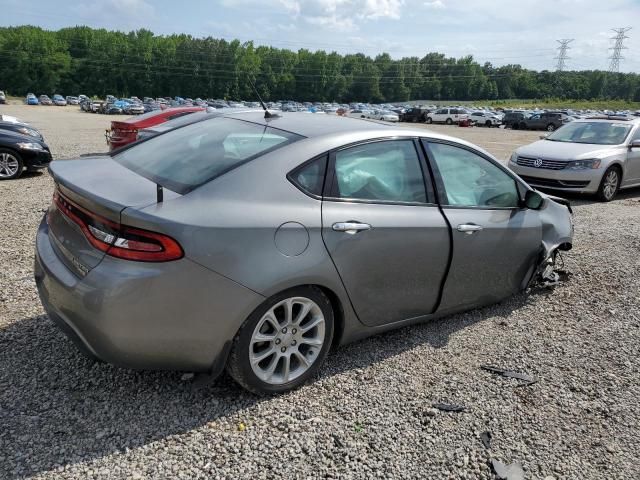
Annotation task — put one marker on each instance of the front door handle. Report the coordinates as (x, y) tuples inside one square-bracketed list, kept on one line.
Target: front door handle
[(350, 227), (469, 228)]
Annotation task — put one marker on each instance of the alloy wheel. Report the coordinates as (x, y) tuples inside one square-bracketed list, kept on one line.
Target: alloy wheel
[(8, 165), (287, 340), (610, 184)]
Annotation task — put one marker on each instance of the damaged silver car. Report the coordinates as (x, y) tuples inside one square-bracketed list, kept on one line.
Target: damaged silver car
[(255, 244)]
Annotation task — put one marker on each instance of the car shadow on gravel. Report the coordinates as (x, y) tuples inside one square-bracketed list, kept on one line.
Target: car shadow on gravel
[(59, 408)]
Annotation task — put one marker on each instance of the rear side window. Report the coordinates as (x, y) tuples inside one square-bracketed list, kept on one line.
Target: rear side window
[(387, 171), (310, 177), (187, 157)]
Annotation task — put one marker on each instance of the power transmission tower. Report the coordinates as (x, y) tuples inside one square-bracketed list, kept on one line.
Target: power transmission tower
[(562, 58), (621, 35)]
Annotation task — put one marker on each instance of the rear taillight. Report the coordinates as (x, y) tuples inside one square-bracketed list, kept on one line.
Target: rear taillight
[(119, 240)]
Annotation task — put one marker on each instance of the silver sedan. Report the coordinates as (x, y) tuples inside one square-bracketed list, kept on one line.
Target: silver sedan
[(257, 244), (596, 155)]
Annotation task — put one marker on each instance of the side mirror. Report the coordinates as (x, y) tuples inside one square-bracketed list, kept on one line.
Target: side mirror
[(542, 137), (634, 144), (533, 200)]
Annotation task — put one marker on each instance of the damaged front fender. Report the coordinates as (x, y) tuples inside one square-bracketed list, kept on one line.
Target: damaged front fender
[(556, 219)]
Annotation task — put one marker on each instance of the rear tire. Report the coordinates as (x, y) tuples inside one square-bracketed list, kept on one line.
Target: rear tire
[(487, 124), (429, 120), (514, 126), (551, 127), (284, 341), (11, 164), (610, 184)]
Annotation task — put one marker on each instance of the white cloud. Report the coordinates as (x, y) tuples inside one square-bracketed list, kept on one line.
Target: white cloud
[(436, 4), (129, 13)]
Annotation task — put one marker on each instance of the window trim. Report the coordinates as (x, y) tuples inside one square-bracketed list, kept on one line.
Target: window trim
[(330, 175), (439, 184)]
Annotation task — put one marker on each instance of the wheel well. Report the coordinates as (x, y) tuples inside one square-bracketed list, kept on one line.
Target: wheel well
[(338, 313), (618, 167)]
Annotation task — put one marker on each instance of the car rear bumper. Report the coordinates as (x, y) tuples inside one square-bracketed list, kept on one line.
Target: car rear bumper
[(169, 316), (579, 181)]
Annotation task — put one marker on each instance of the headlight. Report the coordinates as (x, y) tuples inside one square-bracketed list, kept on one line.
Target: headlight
[(28, 131), (583, 164), (514, 157), (31, 146)]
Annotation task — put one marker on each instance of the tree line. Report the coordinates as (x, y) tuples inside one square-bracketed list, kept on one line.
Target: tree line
[(100, 62)]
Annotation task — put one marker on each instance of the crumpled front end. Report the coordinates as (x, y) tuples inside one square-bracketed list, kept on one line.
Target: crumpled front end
[(557, 235)]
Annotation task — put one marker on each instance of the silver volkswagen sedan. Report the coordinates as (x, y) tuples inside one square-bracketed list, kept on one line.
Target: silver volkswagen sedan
[(257, 244), (598, 155)]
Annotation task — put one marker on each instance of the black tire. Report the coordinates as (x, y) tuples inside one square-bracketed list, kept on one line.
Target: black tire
[(522, 126), (449, 121), (551, 127), (429, 120), (605, 192), (13, 156), (514, 126), (487, 124), (238, 364)]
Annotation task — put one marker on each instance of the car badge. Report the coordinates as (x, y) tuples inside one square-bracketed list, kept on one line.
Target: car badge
[(537, 163)]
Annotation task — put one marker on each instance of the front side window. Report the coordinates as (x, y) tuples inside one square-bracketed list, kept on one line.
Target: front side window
[(187, 157), (470, 180), (386, 171)]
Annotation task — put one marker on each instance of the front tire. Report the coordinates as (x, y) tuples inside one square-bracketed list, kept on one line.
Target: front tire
[(487, 124), (449, 121), (11, 164), (284, 342), (609, 185), (551, 127), (429, 120)]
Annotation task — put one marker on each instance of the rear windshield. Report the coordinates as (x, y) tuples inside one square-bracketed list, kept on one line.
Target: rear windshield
[(597, 133), (188, 157)]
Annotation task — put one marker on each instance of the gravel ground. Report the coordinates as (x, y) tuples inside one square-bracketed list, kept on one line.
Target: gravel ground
[(369, 413)]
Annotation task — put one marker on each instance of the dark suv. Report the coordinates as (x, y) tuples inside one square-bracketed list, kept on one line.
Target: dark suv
[(415, 114), (513, 119), (548, 121)]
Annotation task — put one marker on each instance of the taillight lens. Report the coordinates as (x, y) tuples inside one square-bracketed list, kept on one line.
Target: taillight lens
[(119, 240)]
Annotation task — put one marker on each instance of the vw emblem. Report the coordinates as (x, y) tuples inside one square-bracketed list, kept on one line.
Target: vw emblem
[(537, 163)]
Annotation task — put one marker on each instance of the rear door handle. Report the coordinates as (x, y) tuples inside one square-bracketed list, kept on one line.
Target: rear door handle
[(350, 227), (469, 228)]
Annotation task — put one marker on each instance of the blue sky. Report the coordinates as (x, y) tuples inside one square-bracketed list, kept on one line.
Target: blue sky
[(499, 31)]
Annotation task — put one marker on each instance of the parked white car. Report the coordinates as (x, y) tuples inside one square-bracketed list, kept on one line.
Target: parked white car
[(486, 119), (447, 115), (358, 113), (386, 115)]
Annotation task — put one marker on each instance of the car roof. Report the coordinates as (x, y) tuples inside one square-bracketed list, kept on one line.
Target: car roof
[(309, 124), (610, 118)]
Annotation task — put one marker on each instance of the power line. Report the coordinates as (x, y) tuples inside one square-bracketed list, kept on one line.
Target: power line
[(621, 35), (562, 57)]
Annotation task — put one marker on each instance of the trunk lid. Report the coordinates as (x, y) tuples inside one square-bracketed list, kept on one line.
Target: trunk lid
[(92, 186)]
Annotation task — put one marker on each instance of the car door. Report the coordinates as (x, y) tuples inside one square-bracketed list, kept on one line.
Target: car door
[(632, 165), (386, 236), (495, 241)]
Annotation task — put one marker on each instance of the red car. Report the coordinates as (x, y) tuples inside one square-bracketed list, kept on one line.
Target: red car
[(124, 132)]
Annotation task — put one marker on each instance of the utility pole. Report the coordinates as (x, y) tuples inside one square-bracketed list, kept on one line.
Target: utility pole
[(621, 35), (562, 58)]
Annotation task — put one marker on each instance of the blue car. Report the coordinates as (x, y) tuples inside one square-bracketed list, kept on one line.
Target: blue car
[(31, 99)]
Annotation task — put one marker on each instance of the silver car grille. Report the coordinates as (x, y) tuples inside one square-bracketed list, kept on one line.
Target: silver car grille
[(541, 163)]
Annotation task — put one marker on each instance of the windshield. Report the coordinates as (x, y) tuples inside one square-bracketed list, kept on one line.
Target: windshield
[(188, 157), (597, 133)]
